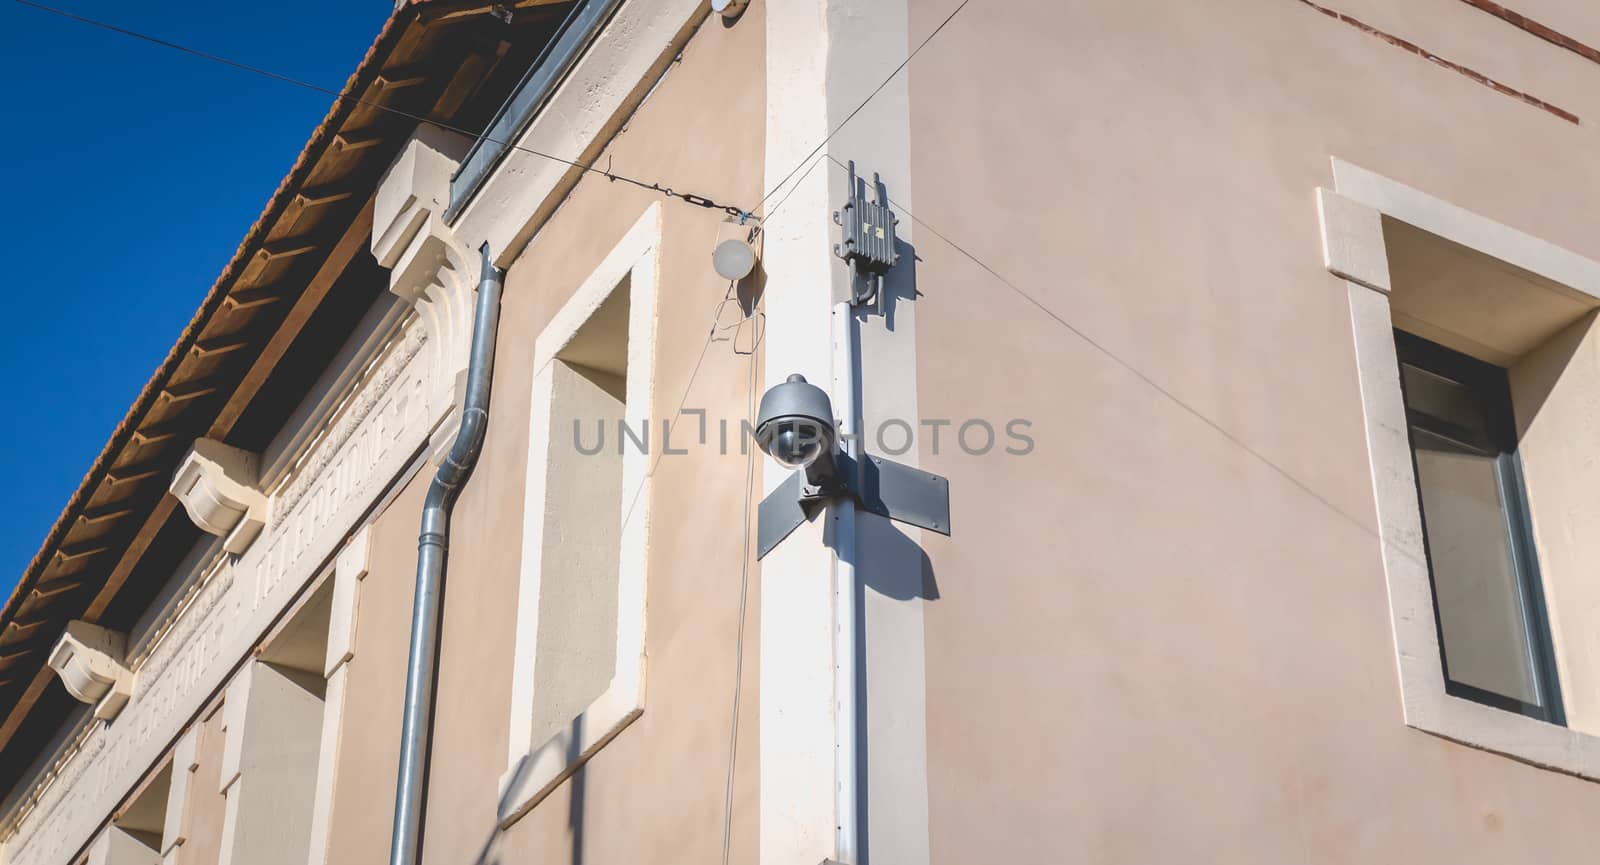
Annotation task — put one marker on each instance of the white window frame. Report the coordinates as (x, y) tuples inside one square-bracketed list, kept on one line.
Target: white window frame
[(537, 767), (1353, 249)]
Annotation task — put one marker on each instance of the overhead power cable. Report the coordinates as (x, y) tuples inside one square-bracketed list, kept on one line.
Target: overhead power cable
[(735, 211), (692, 198), (1144, 377), (739, 628), (586, 168), (677, 413), (589, 168), (857, 110), (703, 201)]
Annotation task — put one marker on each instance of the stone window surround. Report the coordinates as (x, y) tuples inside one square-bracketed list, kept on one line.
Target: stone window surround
[(343, 581), (1354, 249), (536, 768)]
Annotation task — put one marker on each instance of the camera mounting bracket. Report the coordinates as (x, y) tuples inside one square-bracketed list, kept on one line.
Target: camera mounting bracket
[(880, 486)]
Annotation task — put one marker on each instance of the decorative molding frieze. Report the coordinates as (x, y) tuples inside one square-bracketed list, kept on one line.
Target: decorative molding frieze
[(429, 266), (218, 486), (381, 425), (351, 419), (89, 660)]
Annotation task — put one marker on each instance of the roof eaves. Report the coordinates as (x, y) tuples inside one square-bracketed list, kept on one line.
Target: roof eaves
[(320, 138)]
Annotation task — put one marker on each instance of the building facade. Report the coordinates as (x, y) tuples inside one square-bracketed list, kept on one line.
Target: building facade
[(1253, 338)]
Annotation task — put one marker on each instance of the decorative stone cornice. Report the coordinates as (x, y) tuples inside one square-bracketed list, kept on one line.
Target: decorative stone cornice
[(89, 660), (218, 486), (429, 266)]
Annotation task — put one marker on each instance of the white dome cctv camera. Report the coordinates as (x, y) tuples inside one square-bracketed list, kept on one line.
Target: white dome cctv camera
[(795, 427)]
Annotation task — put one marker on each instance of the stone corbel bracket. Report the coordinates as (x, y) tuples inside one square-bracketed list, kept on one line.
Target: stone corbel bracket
[(89, 660), (219, 487), (429, 266)]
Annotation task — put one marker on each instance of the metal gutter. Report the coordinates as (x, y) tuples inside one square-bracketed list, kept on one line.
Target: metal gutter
[(583, 24), (847, 730), (416, 730)]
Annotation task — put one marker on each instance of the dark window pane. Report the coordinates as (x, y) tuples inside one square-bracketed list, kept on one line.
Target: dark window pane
[(1442, 399), (1474, 566), (1493, 633)]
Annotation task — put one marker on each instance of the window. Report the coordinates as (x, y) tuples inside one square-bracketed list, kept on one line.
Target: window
[(1478, 353), (135, 834), (1493, 634), (274, 713), (578, 677)]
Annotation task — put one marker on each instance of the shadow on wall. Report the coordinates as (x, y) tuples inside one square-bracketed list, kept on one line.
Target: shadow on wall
[(576, 797), (894, 566), (486, 852), (1535, 376), (575, 802), (887, 567), (900, 285)]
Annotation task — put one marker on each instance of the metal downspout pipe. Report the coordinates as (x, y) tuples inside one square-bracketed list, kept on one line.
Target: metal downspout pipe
[(846, 610), (405, 846)]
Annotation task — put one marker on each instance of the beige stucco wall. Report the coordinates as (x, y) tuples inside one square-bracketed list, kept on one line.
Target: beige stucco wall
[(1148, 644), (655, 793)]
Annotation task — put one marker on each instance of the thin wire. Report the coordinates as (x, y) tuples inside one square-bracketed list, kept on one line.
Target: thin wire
[(339, 96), (738, 646), (708, 203), (875, 91), (671, 425), (699, 200), (745, 559), (1095, 344), (711, 332), (788, 195), (744, 565)]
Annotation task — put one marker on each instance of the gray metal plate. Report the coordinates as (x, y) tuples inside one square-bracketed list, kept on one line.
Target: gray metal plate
[(887, 488), (903, 493), (780, 513)]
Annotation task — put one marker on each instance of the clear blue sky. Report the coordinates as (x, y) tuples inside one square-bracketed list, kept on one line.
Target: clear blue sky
[(131, 174)]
